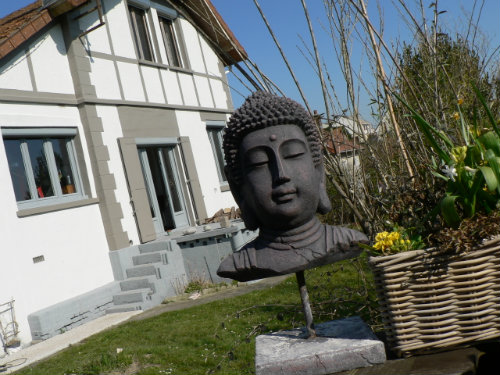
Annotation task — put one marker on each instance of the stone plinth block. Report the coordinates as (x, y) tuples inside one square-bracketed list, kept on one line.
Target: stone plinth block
[(341, 345)]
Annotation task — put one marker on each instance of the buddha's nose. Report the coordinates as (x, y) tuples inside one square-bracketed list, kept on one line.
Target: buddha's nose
[(280, 173)]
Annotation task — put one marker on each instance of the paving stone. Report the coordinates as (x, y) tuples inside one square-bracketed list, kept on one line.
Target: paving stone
[(341, 345)]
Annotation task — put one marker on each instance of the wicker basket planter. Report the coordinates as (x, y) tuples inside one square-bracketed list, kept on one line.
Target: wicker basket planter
[(431, 300)]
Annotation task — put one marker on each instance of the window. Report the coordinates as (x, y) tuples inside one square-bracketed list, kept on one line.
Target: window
[(141, 33), (215, 132), (170, 42), (42, 165)]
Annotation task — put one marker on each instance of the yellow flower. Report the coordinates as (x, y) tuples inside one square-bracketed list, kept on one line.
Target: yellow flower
[(385, 240), (458, 153), (460, 101), (381, 236), (407, 241), (456, 115), (394, 236)]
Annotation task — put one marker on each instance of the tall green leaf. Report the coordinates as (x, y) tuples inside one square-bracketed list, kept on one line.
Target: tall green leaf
[(489, 177), (494, 163), (428, 129), (490, 141), (487, 109)]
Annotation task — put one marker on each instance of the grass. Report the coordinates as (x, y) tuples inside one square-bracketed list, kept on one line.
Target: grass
[(218, 337)]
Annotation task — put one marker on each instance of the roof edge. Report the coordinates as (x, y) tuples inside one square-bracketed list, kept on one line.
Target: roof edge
[(42, 13), (25, 32)]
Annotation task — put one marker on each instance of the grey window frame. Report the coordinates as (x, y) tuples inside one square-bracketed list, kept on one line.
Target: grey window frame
[(169, 22), (44, 134), (217, 128), (136, 34)]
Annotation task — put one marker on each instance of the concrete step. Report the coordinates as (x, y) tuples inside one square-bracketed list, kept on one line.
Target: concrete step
[(149, 258), (153, 247), (123, 308), (131, 296), (142, 270), (140, 282)]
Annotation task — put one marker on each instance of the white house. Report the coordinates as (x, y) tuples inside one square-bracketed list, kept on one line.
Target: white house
[(359, 128), (111, 113)]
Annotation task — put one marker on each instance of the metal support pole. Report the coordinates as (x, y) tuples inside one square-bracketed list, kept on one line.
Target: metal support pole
[(304, 296)]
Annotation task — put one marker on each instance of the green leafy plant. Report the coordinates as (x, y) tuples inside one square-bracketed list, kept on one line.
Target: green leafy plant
[(471, 170)]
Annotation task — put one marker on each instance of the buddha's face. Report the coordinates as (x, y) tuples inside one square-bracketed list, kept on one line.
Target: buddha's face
[(280, 181)]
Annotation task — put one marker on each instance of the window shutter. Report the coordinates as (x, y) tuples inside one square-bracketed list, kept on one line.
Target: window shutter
[(137, 189)]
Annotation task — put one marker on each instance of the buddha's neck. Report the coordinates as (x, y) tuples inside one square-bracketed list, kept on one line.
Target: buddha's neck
[(295, 238)]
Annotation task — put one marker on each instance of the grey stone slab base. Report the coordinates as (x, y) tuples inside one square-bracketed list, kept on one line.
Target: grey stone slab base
[(341, 345)]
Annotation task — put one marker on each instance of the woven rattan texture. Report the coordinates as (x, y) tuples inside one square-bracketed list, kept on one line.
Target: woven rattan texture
[(431, 300)]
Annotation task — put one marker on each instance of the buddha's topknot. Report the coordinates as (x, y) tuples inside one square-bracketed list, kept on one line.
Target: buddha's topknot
[(262, 110)]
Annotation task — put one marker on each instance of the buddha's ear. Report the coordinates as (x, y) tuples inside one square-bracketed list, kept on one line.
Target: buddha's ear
[(324, 204), (247, 214)]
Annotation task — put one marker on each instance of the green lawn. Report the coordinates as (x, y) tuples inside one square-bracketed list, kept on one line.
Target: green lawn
[(218, 337)]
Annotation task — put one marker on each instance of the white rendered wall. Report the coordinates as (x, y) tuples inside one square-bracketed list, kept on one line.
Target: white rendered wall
[(172, 89), (131, 81), (211, 59), (15, 73), (152, 82), (104, 78), (220, 95), (204, 93), (113, 131), (97, 40), (188, 89), (190, 125), (50, 64), (72, 241), (118, 24), (193, 46)]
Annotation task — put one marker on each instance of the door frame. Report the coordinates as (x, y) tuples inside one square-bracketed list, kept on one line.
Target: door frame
[(177, 168)]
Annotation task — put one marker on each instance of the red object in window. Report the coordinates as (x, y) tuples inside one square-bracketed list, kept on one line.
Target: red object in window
[(40, 192)]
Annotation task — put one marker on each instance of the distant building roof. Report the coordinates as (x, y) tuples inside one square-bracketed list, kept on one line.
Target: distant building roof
[(343, 143), (19, 26)]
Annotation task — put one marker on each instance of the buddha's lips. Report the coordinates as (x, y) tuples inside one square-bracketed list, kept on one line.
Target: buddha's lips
[(284, 194)]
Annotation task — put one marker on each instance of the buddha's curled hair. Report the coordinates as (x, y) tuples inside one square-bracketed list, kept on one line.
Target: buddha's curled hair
[(262, 110)]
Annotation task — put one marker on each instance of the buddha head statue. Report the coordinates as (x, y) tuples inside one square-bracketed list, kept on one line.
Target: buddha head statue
[(274, 163)]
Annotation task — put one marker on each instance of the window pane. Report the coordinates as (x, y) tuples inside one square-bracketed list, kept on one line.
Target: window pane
[(40, 168), (141, 35), (172, 185), (170, 42), (64, 172), (160, 188), (17, 170)]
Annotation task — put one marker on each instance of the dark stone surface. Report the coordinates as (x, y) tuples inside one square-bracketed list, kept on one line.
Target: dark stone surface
[(261, 258), (275, 171)]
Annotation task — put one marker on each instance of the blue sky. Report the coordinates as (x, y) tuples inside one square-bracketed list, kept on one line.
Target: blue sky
[(288, 22)]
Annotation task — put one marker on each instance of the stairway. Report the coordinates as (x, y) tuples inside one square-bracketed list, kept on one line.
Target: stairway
[(145, 285)]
